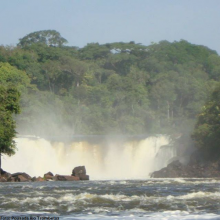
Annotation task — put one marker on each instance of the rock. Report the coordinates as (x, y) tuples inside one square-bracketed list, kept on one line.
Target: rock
[(79, 170), (33, 179), (21, 177), (65, 178), (194, 169), (174, 169), (48, 176), (10, 179), (2, 172), (3, 179), (5, 174), (71, 178), (83, 177), (78, 173), (39, 179)]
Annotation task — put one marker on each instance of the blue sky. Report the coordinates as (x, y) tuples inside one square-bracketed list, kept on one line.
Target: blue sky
[(106, 21)]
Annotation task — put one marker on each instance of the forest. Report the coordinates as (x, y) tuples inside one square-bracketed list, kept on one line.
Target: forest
[(113, 88)]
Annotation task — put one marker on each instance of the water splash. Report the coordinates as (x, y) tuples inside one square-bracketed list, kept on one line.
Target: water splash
[(105, 160)]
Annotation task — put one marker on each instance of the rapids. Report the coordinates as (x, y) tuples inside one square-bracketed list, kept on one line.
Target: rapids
[(104, 159), (168, 199)]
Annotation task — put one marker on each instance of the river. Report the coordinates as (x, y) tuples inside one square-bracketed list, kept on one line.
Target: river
[(113, 199)]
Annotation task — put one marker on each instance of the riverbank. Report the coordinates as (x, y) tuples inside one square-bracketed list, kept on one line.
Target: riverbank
[(196, 168)]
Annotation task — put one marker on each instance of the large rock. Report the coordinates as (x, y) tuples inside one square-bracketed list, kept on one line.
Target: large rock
[(21, 177), (39, 179), (11, 179), (80, 172), (174, 169), (194, 169), (83, 177), (58, 177), (3, 179), (4, 174), (48, 176)]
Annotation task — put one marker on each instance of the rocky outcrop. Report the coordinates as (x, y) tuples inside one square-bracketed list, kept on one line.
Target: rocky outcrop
[(65, 178), (3, 179), (48, 176), (80, 172), (39, 179), (194, 169), (20, 177)]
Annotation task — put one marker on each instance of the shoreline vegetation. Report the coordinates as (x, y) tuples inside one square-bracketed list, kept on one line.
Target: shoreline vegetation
[(114, 88)]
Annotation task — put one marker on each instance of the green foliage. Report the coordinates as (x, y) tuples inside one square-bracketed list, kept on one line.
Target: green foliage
[(94, 51), (11, 76), (207, 130), (9, 99), (117, 87), (47, 37)]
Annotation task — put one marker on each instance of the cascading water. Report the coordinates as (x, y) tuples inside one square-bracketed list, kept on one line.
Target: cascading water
[(106, 160)]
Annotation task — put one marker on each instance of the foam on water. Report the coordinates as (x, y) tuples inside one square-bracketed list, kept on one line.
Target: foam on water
[(130, 199)]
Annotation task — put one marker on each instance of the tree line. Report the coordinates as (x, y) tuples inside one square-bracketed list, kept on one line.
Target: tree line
[(112, 88)]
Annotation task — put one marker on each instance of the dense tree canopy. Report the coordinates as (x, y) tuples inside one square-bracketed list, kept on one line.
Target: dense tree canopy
[(119, 87), (9, 99), (47, 37), (207, 131)]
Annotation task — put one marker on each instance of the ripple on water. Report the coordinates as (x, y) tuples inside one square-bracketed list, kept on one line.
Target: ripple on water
[(153, 199)]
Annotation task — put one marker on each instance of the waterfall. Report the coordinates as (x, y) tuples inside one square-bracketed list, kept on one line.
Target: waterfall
[(105, 160)]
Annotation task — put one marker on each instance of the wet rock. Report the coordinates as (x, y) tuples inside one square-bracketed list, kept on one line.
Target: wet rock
[(80, 172), (65, 178), (3, 179), (72, 178), (194, 169), (10, 179), (33, 179), (48, 176), (21, 177), (2, 172), (174, 169), (5, 174), (39, 179), (83, 177)]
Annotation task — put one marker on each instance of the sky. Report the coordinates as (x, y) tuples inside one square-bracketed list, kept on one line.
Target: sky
[(107, 21)]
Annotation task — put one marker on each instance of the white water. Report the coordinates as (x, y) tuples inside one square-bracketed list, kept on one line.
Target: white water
[(114, 160)]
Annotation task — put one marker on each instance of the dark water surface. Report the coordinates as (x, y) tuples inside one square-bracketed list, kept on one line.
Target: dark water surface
[(124, 199)]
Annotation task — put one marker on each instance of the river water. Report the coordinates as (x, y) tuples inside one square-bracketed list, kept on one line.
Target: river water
[(113, 199)]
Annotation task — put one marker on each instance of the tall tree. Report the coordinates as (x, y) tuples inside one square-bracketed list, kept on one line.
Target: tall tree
[(9, 99), (48, 37)]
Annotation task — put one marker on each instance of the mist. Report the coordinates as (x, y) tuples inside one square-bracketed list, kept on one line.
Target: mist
[(104, 158)]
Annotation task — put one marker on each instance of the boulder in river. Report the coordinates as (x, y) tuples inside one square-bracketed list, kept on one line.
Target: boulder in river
[(21, 177), (194, 169), (48, 176), (39, 179), (3, 179), (58, 177), (5, 174), (80, 172)]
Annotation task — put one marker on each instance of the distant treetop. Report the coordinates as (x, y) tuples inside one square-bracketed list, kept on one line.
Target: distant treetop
[(47, 37)]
